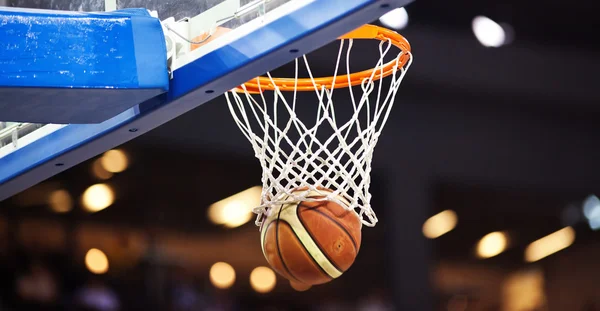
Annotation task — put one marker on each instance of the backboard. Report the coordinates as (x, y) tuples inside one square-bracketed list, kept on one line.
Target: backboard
[(265, 35)]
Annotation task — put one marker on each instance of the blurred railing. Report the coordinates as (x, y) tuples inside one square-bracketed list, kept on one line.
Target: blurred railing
[(15, 135)]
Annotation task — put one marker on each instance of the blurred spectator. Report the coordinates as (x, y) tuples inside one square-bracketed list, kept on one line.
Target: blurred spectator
[(222, 302), (37, 287), (97, 296), (184, 294), (374, 301)]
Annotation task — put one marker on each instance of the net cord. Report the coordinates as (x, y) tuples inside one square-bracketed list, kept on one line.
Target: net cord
[(341, 162)]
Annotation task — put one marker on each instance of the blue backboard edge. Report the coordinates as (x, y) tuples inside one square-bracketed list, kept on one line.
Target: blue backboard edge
[(74, 144)]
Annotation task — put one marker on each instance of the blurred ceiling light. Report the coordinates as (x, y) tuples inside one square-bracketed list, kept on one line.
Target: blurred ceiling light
[(262, 280), (301, 287), (99, 171), (594, 223), (395, 19), (114, 161), (60, 201), (98, 197), (222, 275), (488, 32), (235, 210), (591, 210), (492, 244), (550, 244), (440, 224), (591, 207), (96, 261)]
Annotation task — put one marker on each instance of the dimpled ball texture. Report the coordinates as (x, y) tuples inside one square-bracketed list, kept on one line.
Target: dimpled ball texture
[(311, 242)]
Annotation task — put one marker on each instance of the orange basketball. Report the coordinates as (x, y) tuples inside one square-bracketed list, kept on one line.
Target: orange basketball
[(311, 242)]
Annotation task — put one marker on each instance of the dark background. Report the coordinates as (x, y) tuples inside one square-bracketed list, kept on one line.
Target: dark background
[(507, 138)]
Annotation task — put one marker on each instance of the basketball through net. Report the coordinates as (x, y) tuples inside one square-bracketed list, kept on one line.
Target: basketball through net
[(328, 155)]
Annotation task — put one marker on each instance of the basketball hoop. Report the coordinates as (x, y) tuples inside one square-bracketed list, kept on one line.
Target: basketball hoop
[(294, 154)]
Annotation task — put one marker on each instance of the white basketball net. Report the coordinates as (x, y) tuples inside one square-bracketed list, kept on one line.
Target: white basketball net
[(292, 155)]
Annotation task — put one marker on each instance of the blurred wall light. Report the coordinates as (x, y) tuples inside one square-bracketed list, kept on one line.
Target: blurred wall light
[(524, 290), (96, 261), (594, 223), (395, 19), (550, 244), (222, 275), (235, 210), (440, 224), (492, 244), (263, 280), (114, 161), (591, 211), (489, 33), (99, 171), (60, 201), (98, 197)]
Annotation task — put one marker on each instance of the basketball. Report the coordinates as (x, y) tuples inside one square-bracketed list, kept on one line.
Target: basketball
[(311, 242)]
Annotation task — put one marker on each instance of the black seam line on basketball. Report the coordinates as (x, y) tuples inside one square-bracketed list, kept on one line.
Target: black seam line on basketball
[(309, 254), (339, 225), (316, 242), (356, 248), (277, 244)]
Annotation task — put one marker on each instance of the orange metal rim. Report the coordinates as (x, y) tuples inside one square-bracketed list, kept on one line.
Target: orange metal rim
[(262, 83)]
